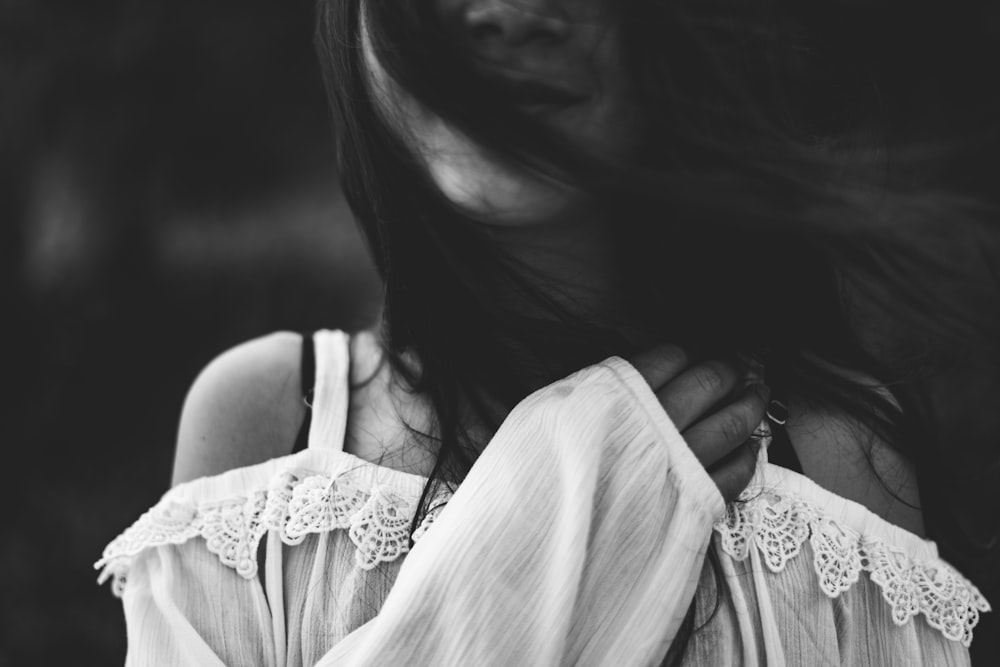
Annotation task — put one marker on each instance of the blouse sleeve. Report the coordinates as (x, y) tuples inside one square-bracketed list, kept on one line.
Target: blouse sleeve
[(577, 538)]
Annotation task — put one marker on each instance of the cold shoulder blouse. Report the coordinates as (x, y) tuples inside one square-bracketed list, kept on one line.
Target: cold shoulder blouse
[(578, 538)]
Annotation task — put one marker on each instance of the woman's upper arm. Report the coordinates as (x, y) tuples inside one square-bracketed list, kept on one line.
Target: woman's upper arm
[(244, 408)]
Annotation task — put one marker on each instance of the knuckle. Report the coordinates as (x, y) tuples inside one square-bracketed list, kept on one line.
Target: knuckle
[(750, 412), (733, 427), (660, 363), (710, 378), (672, 356)]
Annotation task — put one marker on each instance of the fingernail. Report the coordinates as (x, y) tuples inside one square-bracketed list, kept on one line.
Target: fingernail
[(777, 412)]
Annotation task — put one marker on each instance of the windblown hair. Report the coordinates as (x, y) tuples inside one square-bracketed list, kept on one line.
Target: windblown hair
[(756, 131)]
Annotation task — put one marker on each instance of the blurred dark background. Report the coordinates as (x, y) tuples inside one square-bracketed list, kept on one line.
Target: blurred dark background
[(167, 190)]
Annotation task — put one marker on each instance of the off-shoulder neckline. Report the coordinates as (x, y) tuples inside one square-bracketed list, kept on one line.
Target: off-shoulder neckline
[(323, 489), (772, 476)]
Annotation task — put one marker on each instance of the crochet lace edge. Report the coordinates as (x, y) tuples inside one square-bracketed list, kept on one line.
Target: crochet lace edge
[(778, 525), (295, 505), (378, 522)]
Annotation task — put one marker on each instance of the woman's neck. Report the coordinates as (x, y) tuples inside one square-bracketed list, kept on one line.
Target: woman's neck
[(574, 263)]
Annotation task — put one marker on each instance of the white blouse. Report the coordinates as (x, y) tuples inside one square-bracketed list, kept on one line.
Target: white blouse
[(578, 538)]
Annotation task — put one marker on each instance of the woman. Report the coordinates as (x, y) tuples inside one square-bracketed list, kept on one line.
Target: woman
[(549, 188)]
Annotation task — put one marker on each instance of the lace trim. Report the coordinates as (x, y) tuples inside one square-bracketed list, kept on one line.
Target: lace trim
[(778, 526), (378, 522), (429, 519)]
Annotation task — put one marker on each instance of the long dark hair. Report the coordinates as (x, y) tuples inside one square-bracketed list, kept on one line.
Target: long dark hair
[(831, 262)]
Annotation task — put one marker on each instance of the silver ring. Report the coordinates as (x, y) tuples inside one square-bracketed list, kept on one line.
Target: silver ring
[(762, 434)]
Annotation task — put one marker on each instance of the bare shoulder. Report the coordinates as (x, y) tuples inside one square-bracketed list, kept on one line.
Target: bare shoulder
[(845, 458), (244, 408)]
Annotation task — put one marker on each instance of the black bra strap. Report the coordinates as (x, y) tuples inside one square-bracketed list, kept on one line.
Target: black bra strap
[(781, 452), (307, 370)]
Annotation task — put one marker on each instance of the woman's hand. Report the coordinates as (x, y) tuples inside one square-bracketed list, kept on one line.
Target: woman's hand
[(716, 418)]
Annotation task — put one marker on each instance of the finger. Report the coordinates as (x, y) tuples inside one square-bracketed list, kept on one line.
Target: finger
[(733, 474), (714, 437), (697, 390), (660, 364)]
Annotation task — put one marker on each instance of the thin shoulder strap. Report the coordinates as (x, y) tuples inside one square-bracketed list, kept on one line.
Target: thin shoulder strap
[(781, 452), (307, 371), (331, 396)]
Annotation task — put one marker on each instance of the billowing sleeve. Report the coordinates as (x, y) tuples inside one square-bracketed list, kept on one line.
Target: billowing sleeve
[(577, 538)]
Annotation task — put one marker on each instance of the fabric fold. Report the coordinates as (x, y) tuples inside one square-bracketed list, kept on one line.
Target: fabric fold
[(577, 538)]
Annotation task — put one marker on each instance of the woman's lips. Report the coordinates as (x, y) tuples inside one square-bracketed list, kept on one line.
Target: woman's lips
[(554, 89), (536, 93)]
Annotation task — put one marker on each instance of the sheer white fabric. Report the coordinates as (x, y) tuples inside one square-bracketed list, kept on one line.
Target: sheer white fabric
[(578, 538)]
